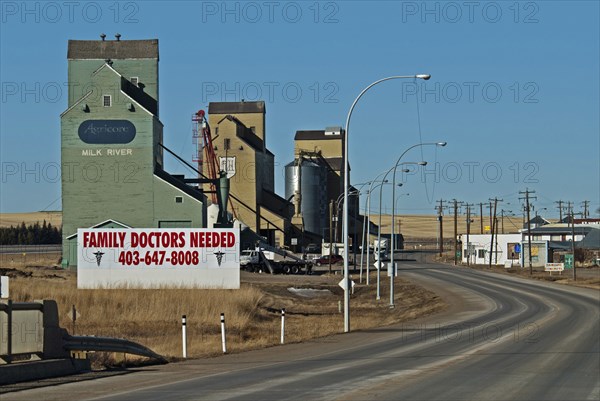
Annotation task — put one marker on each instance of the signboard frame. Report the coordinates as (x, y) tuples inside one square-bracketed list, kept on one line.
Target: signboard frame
[(158, 258)]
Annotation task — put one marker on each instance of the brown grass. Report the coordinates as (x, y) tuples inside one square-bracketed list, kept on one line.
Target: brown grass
[(427, 226), (153, 317), (19, 260), (14, 219), (412, 226), (252, 313)]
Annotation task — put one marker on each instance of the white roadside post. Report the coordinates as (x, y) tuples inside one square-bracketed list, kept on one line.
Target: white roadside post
[(283, 326), (223, 343), (4, 287), (184, 336)]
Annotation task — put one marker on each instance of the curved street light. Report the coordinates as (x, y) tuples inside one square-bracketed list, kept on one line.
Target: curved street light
[(379, 261), (338, 209), (368, 222), (422, 163), (346, 183)]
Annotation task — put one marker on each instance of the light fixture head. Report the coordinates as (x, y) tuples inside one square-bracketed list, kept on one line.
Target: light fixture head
[(441, 143), (424, 77), (422, 163)]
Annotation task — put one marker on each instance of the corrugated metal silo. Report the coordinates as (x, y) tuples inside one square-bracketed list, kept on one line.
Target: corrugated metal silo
[(310, 179)]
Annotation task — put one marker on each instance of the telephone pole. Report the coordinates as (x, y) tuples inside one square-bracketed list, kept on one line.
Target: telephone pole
[(573, 239), (527, 209), (560, 209), (493, 229), (440, 209), (585, 205), (455, 231), (468, 232), (481, 216), (331, 234)]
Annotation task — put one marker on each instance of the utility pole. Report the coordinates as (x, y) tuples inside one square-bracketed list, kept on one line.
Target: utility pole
[(331, 233), (560, 209), (502, 217), (468, 232), (585, 204), (573, 239), (493, 231), (527, 209), (441, 225), (491, 217), (481, 216), (455, 231), (496, 243)]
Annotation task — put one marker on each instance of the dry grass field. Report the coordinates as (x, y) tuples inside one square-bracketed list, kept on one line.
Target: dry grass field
[(427, 226), (253, 318), (14, 219), (412, 226)]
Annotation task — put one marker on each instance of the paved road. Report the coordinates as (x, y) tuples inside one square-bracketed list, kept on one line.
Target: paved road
[(503, 338)]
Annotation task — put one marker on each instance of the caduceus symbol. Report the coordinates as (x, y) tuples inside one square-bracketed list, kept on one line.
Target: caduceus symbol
[(98, 257), (219, 257)]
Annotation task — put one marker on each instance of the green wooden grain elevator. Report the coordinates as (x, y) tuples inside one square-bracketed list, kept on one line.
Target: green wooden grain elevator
[(111, 136)]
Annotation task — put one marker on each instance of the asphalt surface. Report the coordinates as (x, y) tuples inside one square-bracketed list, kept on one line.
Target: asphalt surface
[(503, 338)]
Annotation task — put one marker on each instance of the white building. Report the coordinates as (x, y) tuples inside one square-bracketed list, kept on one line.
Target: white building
[(507, 249)]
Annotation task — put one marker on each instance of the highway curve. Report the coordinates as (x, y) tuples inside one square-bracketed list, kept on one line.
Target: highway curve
[(503, 338)]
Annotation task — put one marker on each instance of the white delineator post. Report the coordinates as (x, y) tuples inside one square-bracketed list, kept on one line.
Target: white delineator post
[(283, 326), (184, 336), (223, 333)]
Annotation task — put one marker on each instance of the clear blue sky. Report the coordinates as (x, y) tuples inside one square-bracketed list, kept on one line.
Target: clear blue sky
[(514, 90)]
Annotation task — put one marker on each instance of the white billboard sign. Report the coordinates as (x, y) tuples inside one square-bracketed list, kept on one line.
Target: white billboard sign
[(156, 258), (554, 267)]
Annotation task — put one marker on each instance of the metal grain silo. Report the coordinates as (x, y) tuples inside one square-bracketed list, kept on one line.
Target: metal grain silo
[(310, 180)]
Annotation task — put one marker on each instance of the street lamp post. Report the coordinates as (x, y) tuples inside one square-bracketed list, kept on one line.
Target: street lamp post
[(356, 214), (337, 209), (379, 261), (362, 248), (368, 222), (347, 182), (393, 272), (421, 163)]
